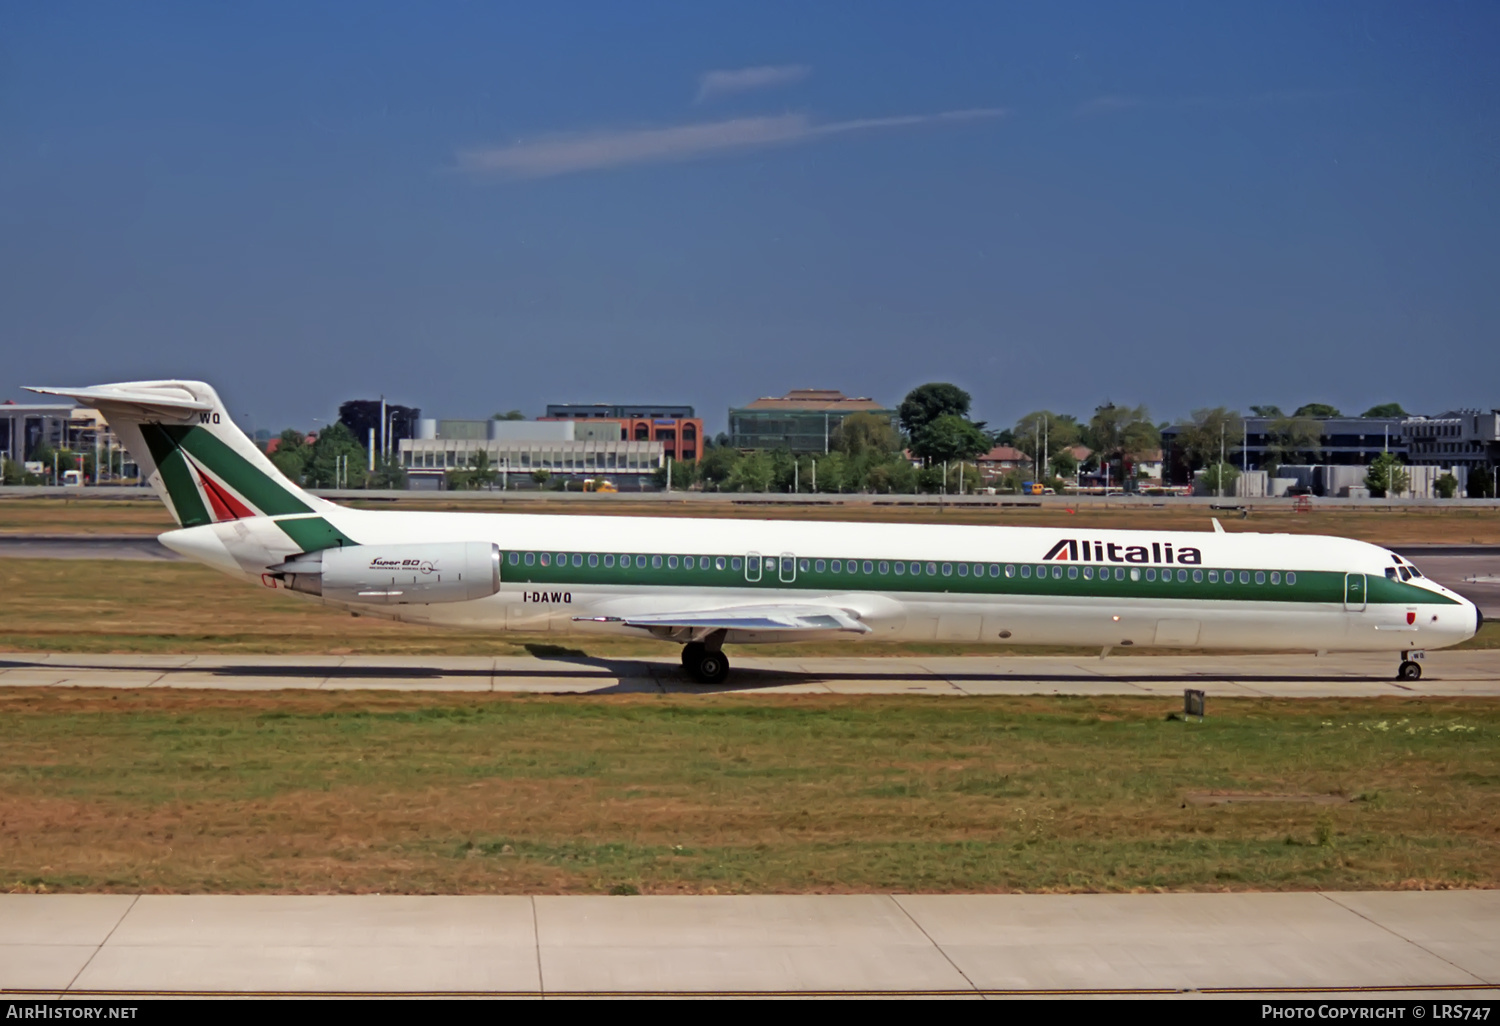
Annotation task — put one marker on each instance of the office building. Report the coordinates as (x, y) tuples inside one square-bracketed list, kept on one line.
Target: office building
[(803, 420)]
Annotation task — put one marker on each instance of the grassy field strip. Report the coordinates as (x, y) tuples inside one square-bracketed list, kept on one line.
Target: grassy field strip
[(114, 606), (301, 792)]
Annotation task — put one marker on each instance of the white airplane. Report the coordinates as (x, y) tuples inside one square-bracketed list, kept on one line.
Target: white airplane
[(704, 583)]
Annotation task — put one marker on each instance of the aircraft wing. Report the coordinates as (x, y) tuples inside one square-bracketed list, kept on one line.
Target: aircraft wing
[(747, 618)]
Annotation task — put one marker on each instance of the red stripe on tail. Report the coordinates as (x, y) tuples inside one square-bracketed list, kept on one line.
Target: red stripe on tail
[(225, 506)]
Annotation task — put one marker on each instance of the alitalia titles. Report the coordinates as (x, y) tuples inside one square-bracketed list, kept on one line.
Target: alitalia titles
[(1086, 551)]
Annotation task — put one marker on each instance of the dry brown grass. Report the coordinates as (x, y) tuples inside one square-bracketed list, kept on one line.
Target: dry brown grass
[(409, 793)]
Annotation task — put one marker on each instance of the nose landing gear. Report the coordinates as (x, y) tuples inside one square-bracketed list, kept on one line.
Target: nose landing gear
[(1409, 669)]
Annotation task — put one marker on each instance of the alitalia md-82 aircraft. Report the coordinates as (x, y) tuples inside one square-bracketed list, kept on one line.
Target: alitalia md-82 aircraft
[(704, 583)]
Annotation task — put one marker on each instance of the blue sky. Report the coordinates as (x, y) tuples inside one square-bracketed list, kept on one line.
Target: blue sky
[(477, 206)]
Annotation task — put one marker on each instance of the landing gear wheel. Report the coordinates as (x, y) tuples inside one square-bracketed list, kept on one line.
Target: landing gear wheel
[(691, 653), (1409, 671), (709, 667)]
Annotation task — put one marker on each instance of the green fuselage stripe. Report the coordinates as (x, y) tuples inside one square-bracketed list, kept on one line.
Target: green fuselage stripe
[(187, 504), (1313, 586), (313, 533), (259, 488)]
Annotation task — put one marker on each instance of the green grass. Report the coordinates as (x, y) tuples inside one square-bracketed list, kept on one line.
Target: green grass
[(311, 792)]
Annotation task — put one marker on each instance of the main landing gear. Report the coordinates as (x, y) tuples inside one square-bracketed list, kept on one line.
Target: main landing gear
[(705, 664), (1409, 669)]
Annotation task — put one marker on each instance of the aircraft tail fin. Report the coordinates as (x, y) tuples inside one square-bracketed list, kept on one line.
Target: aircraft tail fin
[(201, 464)]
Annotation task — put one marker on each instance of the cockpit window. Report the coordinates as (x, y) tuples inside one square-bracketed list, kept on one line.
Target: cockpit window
[(1406, 573), (1390, 572)]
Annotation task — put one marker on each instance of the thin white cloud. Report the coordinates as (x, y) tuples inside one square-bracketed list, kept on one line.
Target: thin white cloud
[(1107, 105), (1114, 104), (593, 151), (740, 80)]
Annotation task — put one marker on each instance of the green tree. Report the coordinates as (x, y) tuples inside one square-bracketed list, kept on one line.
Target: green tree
[(541, 475), (482, 472), (926, 403), (1059, 431), (892, 477), (1219, 478), (336, 453), (949, 437), (292, 455), (1446, 486), (1118, 432), (509, 415), (1387, 476), (1209, 433), (1317, 410), (1482, 483), (1267, 411), (1065, 464), (836, 473), (752, 473), (388, 474), (861, 433), (684, 474), (1297, 439), (718, 465), (1385, 410), (963, 479)]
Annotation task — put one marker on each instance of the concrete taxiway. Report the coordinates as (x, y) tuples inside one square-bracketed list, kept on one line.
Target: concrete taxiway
[(1465, 673), (1296, 945)]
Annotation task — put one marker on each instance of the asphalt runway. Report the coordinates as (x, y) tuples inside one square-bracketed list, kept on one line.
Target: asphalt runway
[(85, 546), (1471, 673), (1293, 946)]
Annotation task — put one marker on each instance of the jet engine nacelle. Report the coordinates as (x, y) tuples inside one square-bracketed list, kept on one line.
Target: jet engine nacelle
[(397, 574)]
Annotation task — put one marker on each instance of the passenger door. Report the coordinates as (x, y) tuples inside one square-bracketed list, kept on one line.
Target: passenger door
[(752, 567), (1354, 592), (788, 568)]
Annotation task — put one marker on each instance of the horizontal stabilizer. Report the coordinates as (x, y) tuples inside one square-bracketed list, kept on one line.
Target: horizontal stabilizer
[(167, 398), (750, 618)]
